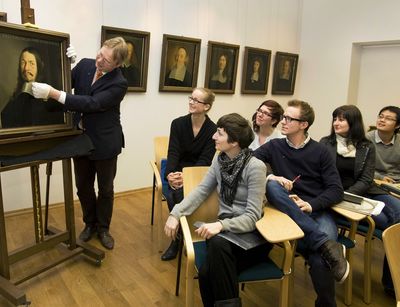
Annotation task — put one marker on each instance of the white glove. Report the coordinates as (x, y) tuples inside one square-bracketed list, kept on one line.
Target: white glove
[(71, 53), (41, 90)]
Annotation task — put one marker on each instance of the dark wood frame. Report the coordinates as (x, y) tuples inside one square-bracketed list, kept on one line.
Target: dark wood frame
[(138, 38), (286, 87), (170, 46), (3, 16), (214, 52), (38, 38), (263, 56)]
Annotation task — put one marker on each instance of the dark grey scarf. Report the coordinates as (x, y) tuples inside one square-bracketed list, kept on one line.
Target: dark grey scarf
[(231, 171)]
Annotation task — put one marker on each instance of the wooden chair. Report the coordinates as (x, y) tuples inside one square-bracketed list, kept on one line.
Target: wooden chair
[(391, 242), (160, 153), (370, 233), (275, 226)]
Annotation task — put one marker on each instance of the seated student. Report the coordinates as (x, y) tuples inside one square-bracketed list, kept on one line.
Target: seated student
[(387, 144), (190, 144), (265, 120), (355, 157), (240, 181), (304, 185)]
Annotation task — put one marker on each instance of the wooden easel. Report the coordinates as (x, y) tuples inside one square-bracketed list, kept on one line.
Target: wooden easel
[(46, 237), (27, 13)]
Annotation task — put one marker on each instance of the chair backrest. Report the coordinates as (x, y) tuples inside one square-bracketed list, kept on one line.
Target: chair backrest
[(391, 242), (160, 149), (208, 211)]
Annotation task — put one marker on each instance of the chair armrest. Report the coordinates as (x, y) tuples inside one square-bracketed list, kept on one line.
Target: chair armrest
[(350, 215), (156, 173), (187, 238), (275, 226)]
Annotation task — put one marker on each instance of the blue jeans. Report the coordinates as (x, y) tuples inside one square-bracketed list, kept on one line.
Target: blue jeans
[(391, 212), (318, 227)]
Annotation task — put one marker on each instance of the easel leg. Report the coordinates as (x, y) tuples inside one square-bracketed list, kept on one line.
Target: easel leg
[(69, 202), (37, 208), (7, 289), (49, 167), (4, 264)]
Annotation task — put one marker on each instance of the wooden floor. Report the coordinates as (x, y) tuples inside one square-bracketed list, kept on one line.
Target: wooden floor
[(133, 275)]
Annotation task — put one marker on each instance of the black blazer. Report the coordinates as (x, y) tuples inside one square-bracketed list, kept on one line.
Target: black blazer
[(364, 166), (99, 106)]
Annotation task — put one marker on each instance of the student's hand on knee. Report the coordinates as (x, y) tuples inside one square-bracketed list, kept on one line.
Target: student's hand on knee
[(171, 227), (286, 183), (303, 205), (208, 230)]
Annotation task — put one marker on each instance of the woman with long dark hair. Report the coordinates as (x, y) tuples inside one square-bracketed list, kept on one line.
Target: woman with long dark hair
[(355, 161)]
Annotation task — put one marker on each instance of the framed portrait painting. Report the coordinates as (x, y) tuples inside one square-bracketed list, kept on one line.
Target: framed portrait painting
[(221, 67), (256, 66), (285, 69), (32, 55), (179, 63), (136, 66)]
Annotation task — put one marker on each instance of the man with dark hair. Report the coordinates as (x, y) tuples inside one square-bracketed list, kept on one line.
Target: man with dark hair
[(305, 184), (23, 110), (99, 89), (387, 144)]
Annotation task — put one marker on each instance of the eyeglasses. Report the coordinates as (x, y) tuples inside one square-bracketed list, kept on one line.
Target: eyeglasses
[(195, 100), (259, 111), (289, 119), (385, 118)]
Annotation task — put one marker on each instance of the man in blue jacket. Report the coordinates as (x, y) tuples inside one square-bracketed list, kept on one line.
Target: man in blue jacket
[(99, 89), (304, 185)]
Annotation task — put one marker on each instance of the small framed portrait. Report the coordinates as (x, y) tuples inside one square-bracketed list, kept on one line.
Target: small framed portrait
[(256, 66), (135, 67), (221, 67), (3, 16), (179, 63), (285, 69), (32, 55)]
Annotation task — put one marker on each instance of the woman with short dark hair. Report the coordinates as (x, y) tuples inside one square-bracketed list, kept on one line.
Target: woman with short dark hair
[(265, 119), (240, 180)]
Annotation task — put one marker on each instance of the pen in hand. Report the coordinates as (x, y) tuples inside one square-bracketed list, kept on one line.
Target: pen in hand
[(296, 178)]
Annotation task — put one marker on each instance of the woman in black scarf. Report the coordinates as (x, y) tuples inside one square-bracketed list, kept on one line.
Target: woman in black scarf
[(240, 179)]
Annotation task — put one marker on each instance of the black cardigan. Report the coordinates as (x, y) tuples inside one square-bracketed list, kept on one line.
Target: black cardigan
[(364, 167), (186, 150)]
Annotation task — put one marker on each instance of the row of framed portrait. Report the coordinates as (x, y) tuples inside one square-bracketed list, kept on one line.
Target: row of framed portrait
[(29, 54), (180, 65)]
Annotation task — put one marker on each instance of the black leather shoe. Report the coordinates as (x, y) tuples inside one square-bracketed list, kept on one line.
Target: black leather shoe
[(333, 253), (87, 233), (106, 239), (171, 251)]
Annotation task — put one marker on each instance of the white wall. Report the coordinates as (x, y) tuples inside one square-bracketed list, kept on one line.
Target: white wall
[(268, 24), (379, 80), (329, 29)]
